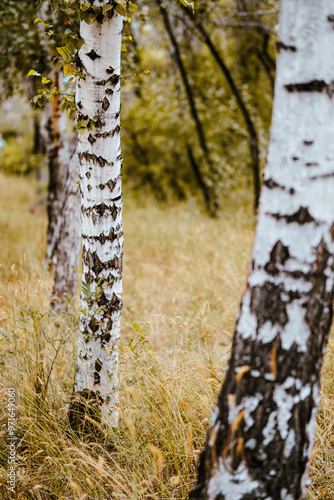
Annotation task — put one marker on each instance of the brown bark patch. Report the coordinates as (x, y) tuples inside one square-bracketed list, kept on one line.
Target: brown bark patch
[(302, 216), (93, 55)]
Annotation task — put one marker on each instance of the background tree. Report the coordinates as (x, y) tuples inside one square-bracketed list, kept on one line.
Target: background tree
[(241, 97), (262, 428)]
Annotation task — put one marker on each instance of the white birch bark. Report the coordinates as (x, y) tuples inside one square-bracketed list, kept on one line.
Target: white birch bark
[(66, 267), (262, 428), (98, 98), (53, 130)]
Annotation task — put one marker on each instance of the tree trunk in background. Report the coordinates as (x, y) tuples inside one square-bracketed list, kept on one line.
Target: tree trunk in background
[(53, 129), (262, 427), (67, 247), (98, 98), (210, 199), (253, 138)]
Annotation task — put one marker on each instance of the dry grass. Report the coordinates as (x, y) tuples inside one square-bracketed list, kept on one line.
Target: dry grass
[(184, 275)]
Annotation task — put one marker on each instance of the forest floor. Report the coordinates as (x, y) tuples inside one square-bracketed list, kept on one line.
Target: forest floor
[(184, 274)]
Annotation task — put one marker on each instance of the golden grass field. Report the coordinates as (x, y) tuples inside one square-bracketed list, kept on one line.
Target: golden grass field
[(184, 274)]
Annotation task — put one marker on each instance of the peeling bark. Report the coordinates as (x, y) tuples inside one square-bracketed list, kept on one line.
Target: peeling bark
[(262, 428), (98, 97)]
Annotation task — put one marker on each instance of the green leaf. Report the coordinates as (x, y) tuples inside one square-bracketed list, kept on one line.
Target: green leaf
[(62, 51), (85, 6), (85, 287), (88, 17), (107, 7), (97, 10), (120, 10), (134, 7), (78, 43)]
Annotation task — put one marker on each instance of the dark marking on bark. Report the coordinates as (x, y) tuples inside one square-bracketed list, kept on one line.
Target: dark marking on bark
[(315, 307), (99, 123), (116, 303), (89, 187), (109, 133), (101, 210), (105, 104), (91, 157), (273, 308), (116, 130), (93, 262), (79, 64), (102, 186), (271, 184), (81, 116), (117, 198), (301, 217), (282, 46), (295, 158), (111, 184), (308, 143), (312, 164), (114, 234), (94, 325), (88, 174), (312, 86), (93, 55), (109, 91), (278, 256), (331, 232), (113, 81), (98, 367), (330, 19), (89, 278), (91, 139), (110, 70), (79, 105), (105, 338), (324, 176)]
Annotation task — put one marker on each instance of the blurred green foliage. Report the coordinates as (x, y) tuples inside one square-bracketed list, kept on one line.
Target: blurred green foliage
[(157, 125), (160, 140), (19, 154)]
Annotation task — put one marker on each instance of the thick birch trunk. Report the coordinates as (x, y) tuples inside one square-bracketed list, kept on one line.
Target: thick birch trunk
[(262, 427), (98, 98)]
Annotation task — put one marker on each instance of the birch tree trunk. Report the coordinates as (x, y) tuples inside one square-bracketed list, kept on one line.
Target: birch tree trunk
[(53, 129), (98, 98), (67, 247), (262, 427)]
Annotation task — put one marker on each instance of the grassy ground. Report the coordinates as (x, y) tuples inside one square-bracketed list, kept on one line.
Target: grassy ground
[(183, 277)]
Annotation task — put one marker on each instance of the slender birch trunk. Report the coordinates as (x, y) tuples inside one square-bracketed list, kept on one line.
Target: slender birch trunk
[(68, 244), (262, 427), (98, 98), (55, 140)]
